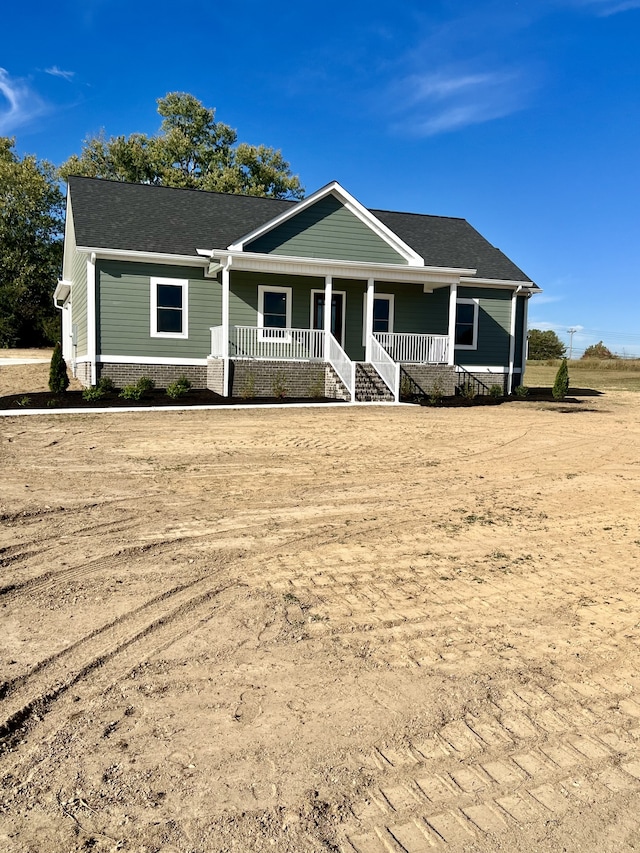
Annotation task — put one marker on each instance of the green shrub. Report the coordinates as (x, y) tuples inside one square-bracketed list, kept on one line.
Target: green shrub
[(496, 391), (145, 385), (58, 378), (316, 389), (178, 388), (130, 392), (436, 394), (561, 385), (468, 391), (24, 401), (248, 390), (106, 384), (94, 392), (279, 386), (521, 391)]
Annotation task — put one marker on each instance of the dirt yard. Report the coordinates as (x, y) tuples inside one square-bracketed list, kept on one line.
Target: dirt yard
[(300, 630)]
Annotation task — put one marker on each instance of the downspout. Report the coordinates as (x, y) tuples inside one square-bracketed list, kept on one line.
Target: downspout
[(512, 336), (226, 373)]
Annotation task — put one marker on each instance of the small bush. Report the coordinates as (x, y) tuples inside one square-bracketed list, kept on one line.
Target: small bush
[(496, 391), (279, 386), (406, 386), (130, 392), (436, 394), (468, 391), (94, 392), (179, 388), (316, 389), (561, 385), (106, 384), (248, 390), (521, 391), (58, 378), (145, 385), (24, 401)]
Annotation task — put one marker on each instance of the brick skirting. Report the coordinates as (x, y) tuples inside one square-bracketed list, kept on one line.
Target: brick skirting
[(162, 374)]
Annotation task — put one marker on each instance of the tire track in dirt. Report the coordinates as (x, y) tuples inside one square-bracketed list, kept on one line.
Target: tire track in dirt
[(527, 759)]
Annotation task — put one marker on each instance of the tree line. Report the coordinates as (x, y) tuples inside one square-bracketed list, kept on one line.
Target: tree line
[(544, 345), (191, 149)]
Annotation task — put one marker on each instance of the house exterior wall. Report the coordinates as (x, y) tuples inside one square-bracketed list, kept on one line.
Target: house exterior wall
[(124, 310), (293, 379), (79, 301), (162, 374), (494, 324), (416, 312), (326, 229)]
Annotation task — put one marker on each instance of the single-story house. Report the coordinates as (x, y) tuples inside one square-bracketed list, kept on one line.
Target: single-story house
[(256, 296)]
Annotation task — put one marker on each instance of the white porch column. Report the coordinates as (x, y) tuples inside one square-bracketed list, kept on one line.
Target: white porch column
[(368, 320), (453, 295), (328, 290), (512, 339), (225, 326), (525, 340)]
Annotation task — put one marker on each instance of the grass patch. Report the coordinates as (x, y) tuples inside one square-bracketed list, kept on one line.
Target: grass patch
[(616, 374)]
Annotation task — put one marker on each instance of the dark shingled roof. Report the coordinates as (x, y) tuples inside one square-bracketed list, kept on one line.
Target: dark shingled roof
[(143, 218)]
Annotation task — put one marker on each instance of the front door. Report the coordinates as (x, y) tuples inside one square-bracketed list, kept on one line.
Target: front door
[(337, 314)]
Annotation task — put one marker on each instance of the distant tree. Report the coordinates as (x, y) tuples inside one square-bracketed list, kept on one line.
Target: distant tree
[(544, 345), (191, 149), (598, 350), (31, 224), (58, 377), (561, 384)]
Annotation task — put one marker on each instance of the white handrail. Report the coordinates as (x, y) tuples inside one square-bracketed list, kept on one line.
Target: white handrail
[(217, 342), (386, 367), (415, 349), (276, 344), (342, 364)]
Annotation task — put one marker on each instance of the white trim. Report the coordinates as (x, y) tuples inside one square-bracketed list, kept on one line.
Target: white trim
[(525, 338), (481, 368), (131, 255), (512, 338), (368, 317), (146, 359), (328, 299), (498, 283), (353, 206), (453, 296), (272, 288), (321, 291), (69, 238), (91, 317), (475, 301), (61, 293), (183, 283)]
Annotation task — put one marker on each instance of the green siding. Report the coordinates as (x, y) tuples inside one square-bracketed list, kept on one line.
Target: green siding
[(326, 229), (416, 312), (123, 305), (354, 316), (494, 323), (78, 292)]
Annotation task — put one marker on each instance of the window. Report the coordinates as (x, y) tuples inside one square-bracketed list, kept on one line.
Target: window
[(383, 313), (274, 310), (466, 324), (169, 298)]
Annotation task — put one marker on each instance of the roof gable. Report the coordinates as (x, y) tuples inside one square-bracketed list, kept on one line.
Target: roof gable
[(331, 223)]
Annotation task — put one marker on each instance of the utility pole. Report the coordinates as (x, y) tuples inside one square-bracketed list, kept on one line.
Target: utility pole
[(572, 332)]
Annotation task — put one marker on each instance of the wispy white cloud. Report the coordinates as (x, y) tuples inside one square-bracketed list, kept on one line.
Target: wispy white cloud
[(18, 103), (451, 98), (545, 299), (605, 8), (58, 72)]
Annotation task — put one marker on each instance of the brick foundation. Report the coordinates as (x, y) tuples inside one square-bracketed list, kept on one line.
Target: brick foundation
[(257, 378), (162, 374), (422, 379), (482, 382), (82, 372), (215, 375)]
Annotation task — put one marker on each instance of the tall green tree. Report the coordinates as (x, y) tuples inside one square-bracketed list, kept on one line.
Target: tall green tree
[(191, 149), (31, 225), (544, 345), (598, 350)]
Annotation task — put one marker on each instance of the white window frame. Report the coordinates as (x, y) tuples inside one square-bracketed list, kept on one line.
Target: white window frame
[(476, 312), (266, 333), (390, 297), (174, 282)]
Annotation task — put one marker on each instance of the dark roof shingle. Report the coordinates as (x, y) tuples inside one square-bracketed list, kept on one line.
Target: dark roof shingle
[(139, 217)]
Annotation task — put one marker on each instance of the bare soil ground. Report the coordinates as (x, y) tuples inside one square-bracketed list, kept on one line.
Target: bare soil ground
[(359, 629)]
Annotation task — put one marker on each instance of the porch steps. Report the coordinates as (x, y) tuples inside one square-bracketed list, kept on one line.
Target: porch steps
[(369, 386)]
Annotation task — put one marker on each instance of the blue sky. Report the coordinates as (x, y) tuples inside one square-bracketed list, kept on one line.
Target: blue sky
[(523, 118)]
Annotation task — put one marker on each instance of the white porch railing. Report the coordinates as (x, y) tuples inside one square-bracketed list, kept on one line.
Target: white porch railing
[(386, 367), (217, 341), (276, 344), (343, 366), (415, 349)]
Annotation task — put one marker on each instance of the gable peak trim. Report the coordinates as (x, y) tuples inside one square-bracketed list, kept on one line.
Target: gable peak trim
[(352, 205)]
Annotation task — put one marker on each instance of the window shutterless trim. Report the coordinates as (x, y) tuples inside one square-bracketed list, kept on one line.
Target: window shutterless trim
[(183, 283), (476, 305), (272, 288)]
